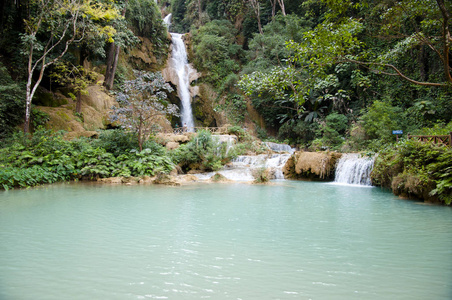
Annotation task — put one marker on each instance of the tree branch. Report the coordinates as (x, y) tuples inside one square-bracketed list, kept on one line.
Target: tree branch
[(398, 72)]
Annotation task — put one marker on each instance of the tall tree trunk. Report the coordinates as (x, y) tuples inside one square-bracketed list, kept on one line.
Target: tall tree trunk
[(199, 12), (447, 39), (140, 133), (110, 62), (423, 63), (115, 65), (78, 104), (283, 9), (257, 10), (273, 3), (112, 59)]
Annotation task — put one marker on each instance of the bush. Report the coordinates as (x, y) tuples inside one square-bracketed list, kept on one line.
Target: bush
[(46, 158), (261, 175), (415, 169), (334, 130), (203, 152), (116, 141), (12, 103), (379, 121)]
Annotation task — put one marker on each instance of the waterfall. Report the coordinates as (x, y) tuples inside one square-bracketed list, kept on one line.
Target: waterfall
[(280, 147), (242, 167), (179, 62), (353, 168), (167, 20)]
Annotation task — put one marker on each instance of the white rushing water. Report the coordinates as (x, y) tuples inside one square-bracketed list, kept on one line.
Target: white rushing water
[(243, 167), (280, 147), (179, 62), (167, 20), (353, 168)]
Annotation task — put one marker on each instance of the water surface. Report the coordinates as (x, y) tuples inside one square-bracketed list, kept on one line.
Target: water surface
[(290, 240)]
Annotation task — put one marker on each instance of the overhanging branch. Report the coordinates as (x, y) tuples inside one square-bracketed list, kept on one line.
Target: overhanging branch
[(397, 73)]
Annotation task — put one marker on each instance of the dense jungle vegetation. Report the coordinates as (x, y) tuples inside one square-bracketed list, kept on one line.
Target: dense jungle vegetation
[(322, 74)]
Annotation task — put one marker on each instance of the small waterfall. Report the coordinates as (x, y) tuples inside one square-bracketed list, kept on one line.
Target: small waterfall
[(353, 168), (179, 62), (280, 147), (241, 168), (167, 20)]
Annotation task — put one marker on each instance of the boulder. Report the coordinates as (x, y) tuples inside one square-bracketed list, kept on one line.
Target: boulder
[(166, 179), (312, 165), (188, 178), (219, 178)]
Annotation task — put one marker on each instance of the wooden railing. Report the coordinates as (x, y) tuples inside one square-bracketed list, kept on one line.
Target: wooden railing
[(445, 140), (213, 130)]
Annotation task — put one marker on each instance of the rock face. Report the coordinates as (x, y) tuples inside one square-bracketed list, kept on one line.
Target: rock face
[(95, 109), (142, 56), (166, 179), (311, 165)]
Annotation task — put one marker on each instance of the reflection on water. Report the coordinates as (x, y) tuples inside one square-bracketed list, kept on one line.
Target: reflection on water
[(290, 240)]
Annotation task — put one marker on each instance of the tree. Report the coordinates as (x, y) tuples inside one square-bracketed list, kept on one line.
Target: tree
[(77, 77), (141, 101), (281, 4), (403, 26), (54, 25), (255, 4), (112, 58), (11, 103)]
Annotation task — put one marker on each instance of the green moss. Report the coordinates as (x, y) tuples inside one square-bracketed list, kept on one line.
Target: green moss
[(218, 177), (45, 98), (63, 115)]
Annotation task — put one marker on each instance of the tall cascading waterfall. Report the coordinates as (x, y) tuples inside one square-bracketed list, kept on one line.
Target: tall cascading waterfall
[(179, 62), (353, 168)]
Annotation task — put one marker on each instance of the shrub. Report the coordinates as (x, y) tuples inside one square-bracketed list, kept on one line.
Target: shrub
[(261, 175), (116, 141), (202, 152), (416, 169), (379, 121), (46, 158)]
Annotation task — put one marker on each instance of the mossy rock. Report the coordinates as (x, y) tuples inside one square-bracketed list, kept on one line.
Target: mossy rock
[(43, 97), (219, 178)]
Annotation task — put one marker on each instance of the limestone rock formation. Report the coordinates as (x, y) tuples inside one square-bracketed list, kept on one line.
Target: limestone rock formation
[(311, 165), (96, 107)]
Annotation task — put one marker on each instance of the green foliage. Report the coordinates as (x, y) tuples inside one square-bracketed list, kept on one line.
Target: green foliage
[(39, 117), (415, 169), (215, 51), (77, 77), (261, 175), (269, 49), (12, 103), (46, 158), (145, 19), (116, 141), (379, 121), (179, 21), (239, 132), (203, 152), (299, 132), (141, 101), (437, 129), (235, 105), (334, 129)]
